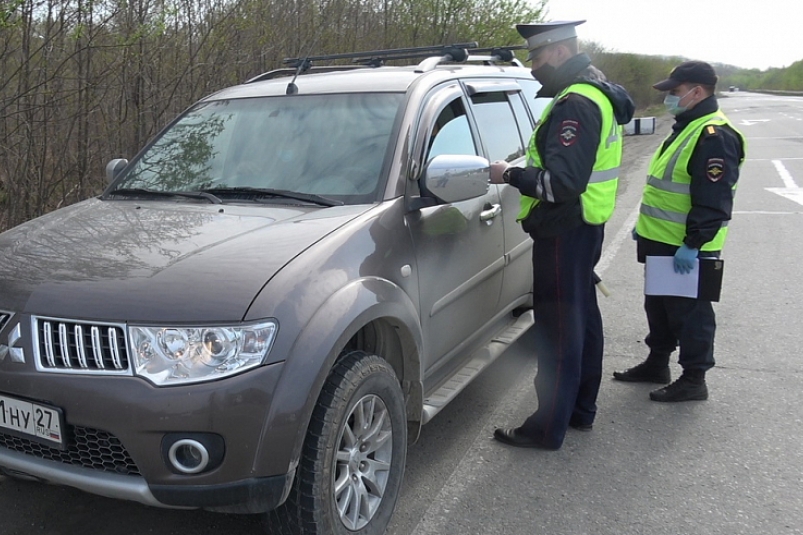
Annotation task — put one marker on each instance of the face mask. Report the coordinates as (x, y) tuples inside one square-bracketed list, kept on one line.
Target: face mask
[(544, 74), (672, 103)]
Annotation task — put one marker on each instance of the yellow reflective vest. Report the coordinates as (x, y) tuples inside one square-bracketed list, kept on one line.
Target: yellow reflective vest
[(666, 200), (599, 198)]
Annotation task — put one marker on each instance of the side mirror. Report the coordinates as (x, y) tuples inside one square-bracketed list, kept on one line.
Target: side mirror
[(114, 167), (452, 178)]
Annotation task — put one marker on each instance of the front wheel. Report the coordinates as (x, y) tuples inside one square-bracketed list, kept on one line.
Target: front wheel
[(350, 472)]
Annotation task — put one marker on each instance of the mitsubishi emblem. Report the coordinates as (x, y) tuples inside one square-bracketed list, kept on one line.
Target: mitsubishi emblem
[(17, 353)]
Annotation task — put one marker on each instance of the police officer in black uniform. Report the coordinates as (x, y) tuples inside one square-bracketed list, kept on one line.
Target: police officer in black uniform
[(708, 175), (568, 192)]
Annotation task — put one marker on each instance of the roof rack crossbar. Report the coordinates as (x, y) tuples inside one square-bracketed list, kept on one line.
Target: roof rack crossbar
[(375, 60), (432, 56), (395, 53), (495, 48), (496, 54)]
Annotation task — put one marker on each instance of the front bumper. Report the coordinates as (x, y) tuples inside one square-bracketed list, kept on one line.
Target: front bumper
[(127, 417), (254, 495)]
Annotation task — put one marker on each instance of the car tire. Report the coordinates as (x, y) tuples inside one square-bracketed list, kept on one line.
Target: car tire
[(352, 462)]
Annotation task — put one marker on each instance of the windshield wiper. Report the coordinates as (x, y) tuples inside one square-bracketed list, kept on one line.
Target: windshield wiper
[(130, 192), (269, 192)]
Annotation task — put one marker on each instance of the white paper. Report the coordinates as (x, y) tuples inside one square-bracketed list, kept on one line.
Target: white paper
[(660, 278)]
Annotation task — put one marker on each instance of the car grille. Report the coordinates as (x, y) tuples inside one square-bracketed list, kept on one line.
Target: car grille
[(90, 448), (4, 316), (64, 345)]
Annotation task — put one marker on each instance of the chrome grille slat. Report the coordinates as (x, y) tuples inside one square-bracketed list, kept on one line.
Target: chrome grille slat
[(51, 357), (80, 346), (115, 350), (97, 347), (4, 317), (64, 345), (69, 346)]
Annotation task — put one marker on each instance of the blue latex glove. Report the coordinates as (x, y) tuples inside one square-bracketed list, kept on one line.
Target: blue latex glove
[(684, 259), (634, 234)]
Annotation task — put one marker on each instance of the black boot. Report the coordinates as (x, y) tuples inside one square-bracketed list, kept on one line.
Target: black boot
[(689, 387), (653, 370)]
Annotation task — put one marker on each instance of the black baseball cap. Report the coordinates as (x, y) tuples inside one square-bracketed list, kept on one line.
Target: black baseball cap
[(692, 72)]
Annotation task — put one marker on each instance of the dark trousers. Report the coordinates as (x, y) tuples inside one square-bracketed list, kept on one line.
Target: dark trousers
[(684, 322), (568, 332)]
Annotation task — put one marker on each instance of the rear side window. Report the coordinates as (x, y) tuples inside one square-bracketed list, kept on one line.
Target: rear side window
[(536, 105), (522, 118), (498, 127)]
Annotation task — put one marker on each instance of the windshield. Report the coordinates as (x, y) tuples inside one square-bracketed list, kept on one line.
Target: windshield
[(327, 145)]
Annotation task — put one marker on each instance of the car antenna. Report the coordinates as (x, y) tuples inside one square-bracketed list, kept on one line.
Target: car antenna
[(302, 65)]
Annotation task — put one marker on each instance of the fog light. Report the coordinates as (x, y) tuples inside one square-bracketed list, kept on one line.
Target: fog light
[(190, 453), (188, 456)]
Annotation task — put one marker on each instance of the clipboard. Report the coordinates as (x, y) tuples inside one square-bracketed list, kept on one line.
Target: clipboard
[(703, 282)]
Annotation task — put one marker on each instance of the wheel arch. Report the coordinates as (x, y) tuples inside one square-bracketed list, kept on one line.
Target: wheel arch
[(370, 314)]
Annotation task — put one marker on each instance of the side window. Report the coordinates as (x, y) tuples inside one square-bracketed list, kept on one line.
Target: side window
[(451, 133), (536, 105), (522, 118), (497, 126)]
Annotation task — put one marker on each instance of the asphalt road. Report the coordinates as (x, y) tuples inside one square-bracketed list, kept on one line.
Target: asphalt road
[(727, 466), (730, 465)]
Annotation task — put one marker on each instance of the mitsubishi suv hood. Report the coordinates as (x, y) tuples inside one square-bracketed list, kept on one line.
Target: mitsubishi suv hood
[(134, 261)]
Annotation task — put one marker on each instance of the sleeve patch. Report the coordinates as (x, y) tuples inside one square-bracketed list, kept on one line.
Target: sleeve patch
[(568, 133), (714, 169)]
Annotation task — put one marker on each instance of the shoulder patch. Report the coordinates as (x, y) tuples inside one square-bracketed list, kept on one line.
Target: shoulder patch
[(568, 132), (714, 169), (710, 130)]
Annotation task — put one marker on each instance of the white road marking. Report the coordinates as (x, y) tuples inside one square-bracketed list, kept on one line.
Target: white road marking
[(753, 138), (770, 159), (790, 189), (613, 247), (788, 181), (764, 212)]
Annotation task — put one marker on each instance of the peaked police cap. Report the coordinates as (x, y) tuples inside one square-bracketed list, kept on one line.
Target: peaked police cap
[(540, 34)]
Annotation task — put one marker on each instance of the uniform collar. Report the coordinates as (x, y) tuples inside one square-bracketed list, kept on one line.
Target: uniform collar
[(571, 70), (566, 74), (705, 107)]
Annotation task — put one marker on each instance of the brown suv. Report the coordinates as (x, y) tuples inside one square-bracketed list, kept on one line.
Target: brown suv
[(270, 299)]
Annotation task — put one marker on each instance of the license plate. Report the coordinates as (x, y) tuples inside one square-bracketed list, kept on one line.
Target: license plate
[(32, 419)]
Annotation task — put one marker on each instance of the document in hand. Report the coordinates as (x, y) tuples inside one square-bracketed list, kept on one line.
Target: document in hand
[(703, 282)]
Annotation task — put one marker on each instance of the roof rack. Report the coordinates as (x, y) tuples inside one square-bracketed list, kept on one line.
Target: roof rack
[(431, 56), (501, 53), (496, 54), (377, 57)]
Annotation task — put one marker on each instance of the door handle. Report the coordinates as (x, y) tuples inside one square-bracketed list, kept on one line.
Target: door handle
[(490, 212)]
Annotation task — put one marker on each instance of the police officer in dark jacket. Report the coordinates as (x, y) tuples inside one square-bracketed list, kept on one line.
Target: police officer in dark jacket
[(685, 210), (568, 192)]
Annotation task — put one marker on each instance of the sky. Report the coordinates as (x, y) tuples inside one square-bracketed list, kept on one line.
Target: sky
[(754, 35)]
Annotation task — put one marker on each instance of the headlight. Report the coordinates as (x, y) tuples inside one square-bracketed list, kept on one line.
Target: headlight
[(179, 355)]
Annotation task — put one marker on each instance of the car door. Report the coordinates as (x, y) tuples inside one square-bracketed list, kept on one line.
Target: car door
[(459, 246), (505, 127)]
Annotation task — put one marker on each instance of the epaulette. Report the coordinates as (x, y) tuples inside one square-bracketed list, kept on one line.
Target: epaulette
[(710, 131)]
